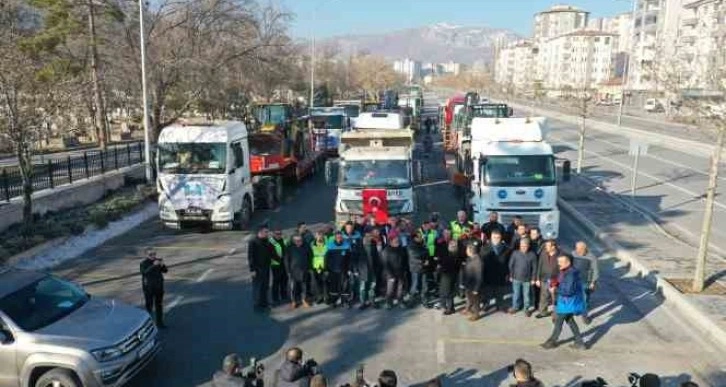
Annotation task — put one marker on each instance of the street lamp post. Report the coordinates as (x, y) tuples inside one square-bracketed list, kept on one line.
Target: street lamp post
[(626, 72), (312, 67), (147, 137)]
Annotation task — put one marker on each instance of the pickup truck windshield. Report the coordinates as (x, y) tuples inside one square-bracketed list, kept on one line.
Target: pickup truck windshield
[(375, 173), (519, 170), (192, 158), (327, 122), (42, 303)]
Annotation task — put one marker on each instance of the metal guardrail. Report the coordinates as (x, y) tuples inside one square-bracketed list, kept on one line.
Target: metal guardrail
[(73, 168)]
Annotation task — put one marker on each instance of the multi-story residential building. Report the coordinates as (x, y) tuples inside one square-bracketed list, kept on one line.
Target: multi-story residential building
[(577, 60), (700, 43), (516, 64), (410, 68), (620, 25), (558, 20), (655, 30), (451, 67)]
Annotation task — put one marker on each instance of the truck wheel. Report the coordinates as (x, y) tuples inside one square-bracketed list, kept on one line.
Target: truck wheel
[(245, 215), (58, 377), (270, 197)]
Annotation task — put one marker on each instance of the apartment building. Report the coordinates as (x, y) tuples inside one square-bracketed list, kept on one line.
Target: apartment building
[(557, 21), (577, 60), (410, 68), (700, 43), (515, 64)]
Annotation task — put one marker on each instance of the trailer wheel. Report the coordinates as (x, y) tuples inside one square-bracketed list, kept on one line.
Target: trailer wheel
[(270, 196), (245, 214)]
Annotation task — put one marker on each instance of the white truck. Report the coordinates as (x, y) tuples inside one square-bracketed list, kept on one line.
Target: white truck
[(514, 173), (376, 160), (204, 175), (328, 124)]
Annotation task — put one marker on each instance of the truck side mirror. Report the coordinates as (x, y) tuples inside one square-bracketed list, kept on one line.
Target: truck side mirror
[(417, 172), (566, 171), (331, 172), (5, 337)]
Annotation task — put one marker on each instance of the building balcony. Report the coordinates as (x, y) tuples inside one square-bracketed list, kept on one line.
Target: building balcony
[(690, 22), (688, 39)]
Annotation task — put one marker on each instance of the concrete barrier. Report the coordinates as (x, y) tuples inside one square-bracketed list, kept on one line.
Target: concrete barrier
[(81, 192)]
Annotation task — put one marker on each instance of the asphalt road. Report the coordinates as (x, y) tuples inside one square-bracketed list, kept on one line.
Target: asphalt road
[(209, 314)]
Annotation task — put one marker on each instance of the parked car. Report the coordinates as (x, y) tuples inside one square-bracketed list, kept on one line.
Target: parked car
[(652, 105), (53, 333)]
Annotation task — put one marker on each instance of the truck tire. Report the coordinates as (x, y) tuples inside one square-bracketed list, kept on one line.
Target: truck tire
[(245, 214), (270, 196), (58, 377)]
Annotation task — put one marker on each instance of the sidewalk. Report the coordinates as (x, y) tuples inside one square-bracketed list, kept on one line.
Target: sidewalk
[(660, 259)]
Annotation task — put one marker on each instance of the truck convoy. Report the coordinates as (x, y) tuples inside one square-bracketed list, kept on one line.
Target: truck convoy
[(375, 173), (511, 170)]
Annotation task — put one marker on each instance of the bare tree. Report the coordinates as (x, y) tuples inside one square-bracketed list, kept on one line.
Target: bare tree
[(706, 72), (582, 102)]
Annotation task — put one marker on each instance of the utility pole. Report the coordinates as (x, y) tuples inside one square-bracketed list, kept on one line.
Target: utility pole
[(101, 124), (144, 98), (312, 69)]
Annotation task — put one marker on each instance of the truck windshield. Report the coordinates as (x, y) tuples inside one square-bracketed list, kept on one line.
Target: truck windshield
[(352, 110), (490, 111), (192, 158), (271, 114), (375, 173), (519, 170), (42, 303), (327, 122)]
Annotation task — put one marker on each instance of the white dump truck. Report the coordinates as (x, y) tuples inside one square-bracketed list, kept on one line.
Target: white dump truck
[(513, 172), (375, 171), (204, 175)]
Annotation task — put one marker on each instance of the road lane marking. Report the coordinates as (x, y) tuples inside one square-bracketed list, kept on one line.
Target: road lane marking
[(440, 182), (204, 275), (173, 304), (440, 351), (642, 173)]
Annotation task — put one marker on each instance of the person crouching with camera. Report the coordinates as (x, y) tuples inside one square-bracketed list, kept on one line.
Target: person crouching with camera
[(294, 372), (233, 373)]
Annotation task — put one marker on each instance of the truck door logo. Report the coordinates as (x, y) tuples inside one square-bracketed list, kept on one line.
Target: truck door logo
[(193, 190)]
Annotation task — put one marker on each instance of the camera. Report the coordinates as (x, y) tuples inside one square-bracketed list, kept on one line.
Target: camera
[(253, 374), (312, 366)]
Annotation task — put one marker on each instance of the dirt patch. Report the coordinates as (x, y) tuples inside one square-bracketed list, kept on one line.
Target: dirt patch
[(685, 286)]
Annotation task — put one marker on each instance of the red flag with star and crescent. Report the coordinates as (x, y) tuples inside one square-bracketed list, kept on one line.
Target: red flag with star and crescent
[(375, 202)]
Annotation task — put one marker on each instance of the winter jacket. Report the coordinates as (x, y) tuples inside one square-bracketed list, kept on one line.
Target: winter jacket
[(547, 266), (259, 255), (570, 293), (307, 237), (222, 379), (394, 262), (496, 263), (522, 266), (418, 257), (337, 258), (488, 227), (298, 261), (369, 265), (448, 263), (152, 276), (530, 383), (587, 266), (293, 375), (474, 273)]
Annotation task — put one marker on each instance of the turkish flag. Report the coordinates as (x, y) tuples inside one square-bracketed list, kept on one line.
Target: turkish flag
[(375, 202)]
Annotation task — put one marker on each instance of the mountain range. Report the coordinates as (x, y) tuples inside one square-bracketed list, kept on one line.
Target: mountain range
[(436, 43)]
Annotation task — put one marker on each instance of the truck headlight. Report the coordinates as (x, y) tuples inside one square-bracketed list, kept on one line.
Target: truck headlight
[(107, 354), (549, 217), (223, 203), (167, 208), (407, 207), (342, 207)]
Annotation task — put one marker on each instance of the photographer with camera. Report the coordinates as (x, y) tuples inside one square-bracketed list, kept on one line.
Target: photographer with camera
[(233, 374), (294, 372), (522, 372)]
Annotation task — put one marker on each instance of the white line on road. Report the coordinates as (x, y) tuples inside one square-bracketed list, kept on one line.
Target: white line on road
[(233, 250), (642, 173), (433, 183), (440, 352), (173, 304), (204, 275)]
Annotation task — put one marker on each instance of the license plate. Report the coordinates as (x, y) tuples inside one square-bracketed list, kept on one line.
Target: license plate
[(146, 348), (194, 211)]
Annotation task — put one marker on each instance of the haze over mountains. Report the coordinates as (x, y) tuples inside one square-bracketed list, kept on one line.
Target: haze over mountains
[(439, 42)]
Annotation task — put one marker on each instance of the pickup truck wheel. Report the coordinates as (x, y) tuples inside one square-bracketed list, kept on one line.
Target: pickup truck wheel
[(58, 377)]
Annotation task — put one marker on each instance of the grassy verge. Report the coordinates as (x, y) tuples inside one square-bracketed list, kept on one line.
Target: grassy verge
[(74, 221)]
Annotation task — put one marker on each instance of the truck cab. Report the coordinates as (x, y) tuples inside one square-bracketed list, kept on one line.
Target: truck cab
[(327, 126), (375, 167), (204, 174), (513, 172)]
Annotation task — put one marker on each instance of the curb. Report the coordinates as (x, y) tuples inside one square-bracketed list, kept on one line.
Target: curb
[(694, 315)]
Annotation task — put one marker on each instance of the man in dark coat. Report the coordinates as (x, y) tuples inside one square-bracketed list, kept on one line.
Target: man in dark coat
[(337, 263), (547, 271), (492, 224), (512, 228), (365, 268), (293, 372), (259, 255), (230, 374), (447, 254), (393, 259), (521, 275), (419, 262), (152, 280), (279, 272), (307, 235), (521, 232), (298, 260), (496, 273), (473, 278)]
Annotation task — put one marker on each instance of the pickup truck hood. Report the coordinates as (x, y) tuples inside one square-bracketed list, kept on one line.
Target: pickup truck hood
[(98, 323), (197, 191)]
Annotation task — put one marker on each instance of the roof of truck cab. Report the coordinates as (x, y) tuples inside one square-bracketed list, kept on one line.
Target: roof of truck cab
[(534, 148), (377, 153), (379, 120), (203, 132)]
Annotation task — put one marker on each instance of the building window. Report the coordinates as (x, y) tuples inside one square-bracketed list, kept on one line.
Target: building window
[(607, 40)]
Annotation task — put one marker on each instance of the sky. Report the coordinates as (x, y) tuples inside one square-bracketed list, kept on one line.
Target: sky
[(340, 17)]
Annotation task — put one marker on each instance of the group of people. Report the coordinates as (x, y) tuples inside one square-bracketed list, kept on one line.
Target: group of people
[(402, 265)]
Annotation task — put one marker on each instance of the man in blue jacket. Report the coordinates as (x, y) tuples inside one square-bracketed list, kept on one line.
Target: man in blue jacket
[(569, 298), (337, 263)]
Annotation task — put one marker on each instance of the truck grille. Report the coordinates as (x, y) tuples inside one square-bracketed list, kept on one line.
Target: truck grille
[(520, 204), (528, 219), (356, 206)]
